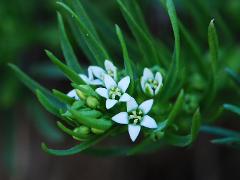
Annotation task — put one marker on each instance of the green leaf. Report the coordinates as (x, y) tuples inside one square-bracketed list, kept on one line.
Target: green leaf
[(219, 131), (48, 104), (33, 86), (213, 46), (183, 141), (173, 81), (67, 49), (72, 76), (91, 122), (131, 13), (232, 108), (94, 44), (127, 60), (176, 108), (27, 81), (233, 75), (78, 148), (233, 142), (62, 97)]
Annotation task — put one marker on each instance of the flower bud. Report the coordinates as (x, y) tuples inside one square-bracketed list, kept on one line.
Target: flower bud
[(81, 95), (97, 131), (92, 102), (82, 131)]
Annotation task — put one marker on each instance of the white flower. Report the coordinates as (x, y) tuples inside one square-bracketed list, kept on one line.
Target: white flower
[(96, 73), (73, 94), (136, 116), (151, 85), (114, 92)]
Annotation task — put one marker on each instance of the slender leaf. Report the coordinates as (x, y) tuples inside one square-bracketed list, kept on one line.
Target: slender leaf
[(67, 49), (72, 76), (47, 104), (93, 43), (62, 97), (78, 148), (233, 75), (232, 108), (127, 60)]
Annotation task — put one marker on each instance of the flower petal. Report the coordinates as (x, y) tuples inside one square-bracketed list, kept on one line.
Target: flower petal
[(125, 97), (97, 82), (148, 122), (109, 82), (121, 118), (110, 103), (143, 82), (158, 77), (84, 78), (131, 105), (102, 92), (147, 73), (134, 131), (124, 83), (98, 72), (90, 73), (73, 94), (146, 106), (109, 65)]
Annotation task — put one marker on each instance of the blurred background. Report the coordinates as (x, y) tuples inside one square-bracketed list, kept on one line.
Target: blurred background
[(27, 28)]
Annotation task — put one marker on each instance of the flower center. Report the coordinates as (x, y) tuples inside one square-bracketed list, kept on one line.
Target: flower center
[(115, 93), (135, 117), (153, 83)]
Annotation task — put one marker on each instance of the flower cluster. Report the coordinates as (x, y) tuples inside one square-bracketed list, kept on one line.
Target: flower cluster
[(106, 85)]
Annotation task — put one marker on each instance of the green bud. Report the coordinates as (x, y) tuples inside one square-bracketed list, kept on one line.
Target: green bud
[(82, 131), (81, 95), (92, 102), (78, 105), (97, 131)]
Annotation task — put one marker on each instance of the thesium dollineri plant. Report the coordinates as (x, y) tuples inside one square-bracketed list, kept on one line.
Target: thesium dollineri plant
[(155, 95)]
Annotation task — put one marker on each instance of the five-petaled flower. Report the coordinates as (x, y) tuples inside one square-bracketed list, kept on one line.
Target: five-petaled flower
[(135, 117), (151, 85), (114, 92), (96, 73)]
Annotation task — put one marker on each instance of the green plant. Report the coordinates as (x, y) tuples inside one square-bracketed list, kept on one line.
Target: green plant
[(181, 94)]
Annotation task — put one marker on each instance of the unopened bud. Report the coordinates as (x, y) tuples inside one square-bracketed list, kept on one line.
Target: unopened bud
[(81, 95), (92, 102), (97, 131), (81, 131)]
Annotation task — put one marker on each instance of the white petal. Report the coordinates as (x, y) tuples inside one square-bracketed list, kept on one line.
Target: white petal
[(125, 97), (148, 122), (96, 82), (131, 105), (98, 72), (146, 106), (102, 92), (84, 78), (90, 73), (147, 73), (121, 118), (143, 81), (148, 90), (109, 65), (109, 82), (134, 131), (158, 77), (124, 83), (73, 94), (110, 103)]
